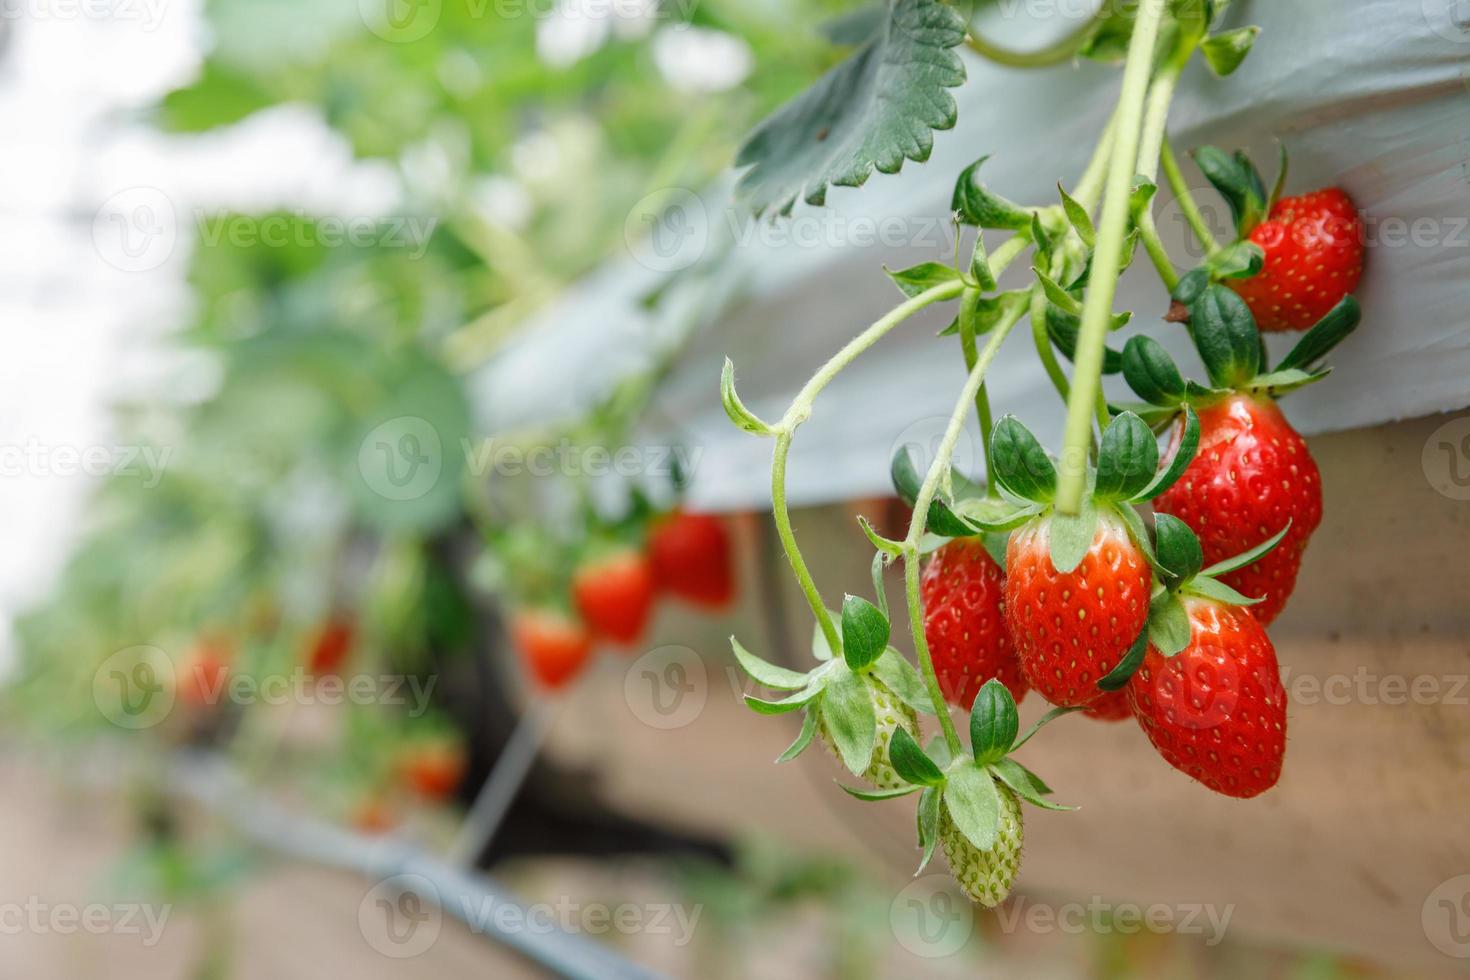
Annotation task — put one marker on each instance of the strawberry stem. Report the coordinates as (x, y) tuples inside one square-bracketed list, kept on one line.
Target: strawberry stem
[(1187, 203), (1102, 289), (1052, 54)]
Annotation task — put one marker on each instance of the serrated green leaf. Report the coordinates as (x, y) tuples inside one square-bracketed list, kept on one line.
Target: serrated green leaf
[(1128, 458), (1168, 624), (993, 722), (910, 762), (1071, 536), (973, 802), (1021, 464), (847, 714), (921, 278), (803, 738), (765, 673), (864, 632), (1178, 547), (873, 111), (1227, 50), (1225, 333)]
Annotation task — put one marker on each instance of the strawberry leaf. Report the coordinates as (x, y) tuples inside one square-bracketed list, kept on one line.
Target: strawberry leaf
[(767, 674), (864, 632), (1080, 219), (1058, 296), (910, 762), (993, 722), (973, 802), (1238, 181), (921, 278), (873, 111)]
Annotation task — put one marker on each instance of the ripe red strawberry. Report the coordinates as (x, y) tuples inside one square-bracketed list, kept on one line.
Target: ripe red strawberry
[(1314, 257), (1217, 711), (1253, 474), (1112, 706), (691, 559), (204, 674), (434, 771), (330, 646), (615, 595), (553, 646), (963, 590), (1072, 629)]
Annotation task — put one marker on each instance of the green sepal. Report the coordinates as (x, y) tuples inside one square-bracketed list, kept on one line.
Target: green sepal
[(1142, 196), (1179, 463), (973, 802), (1119, 676), (1238, 181), (848, 715), (1026, 784), (735, 408), (1041, 238), (1282, 171), (820, 650), (1227, 50), (921, 278), (928, 822), (1241, 260), (1168, 624), (880, 585), (991, 521), (980, 269), (1080, 219), (1071, 536), (1041, 723), (885, 546), (768, 674), (1151, 372), (865, 632), (1319, 341), (1191, 286), (1021, 464), (1217, 591), (1279, 383), (902, 678), (986, 311), (1177, 547), (803, 738), (976, 205), (878, 795), (907, 482), (993, 722), (1225, 333), (1247, 557), (910, 762), (1064, 328), (786, 705), (1058, 296), (1138, 533), (1128, 458)]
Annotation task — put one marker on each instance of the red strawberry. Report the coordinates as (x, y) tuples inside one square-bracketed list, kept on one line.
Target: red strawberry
[(691, 559), (1217, 711), (553, 646), (1253, 474), (1072, 629), (434, 771), (1314, 257), (963, 590), (330, 647), (615, 595), (204, 674), (1112, 706), (374, 816)]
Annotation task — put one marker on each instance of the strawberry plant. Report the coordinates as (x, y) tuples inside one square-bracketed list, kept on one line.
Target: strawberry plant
[(1053, 573)]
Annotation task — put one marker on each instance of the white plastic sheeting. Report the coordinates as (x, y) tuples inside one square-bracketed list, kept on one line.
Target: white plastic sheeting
[(1371, 95)]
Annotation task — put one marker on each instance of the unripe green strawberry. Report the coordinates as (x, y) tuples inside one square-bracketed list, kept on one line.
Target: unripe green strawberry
[(890, 712), (986, 876)]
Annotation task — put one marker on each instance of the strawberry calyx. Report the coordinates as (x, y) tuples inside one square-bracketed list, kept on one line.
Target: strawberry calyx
[(967, 790)]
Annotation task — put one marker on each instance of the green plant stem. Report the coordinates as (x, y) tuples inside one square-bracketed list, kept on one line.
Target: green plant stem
[(1102, 288), (1052, 54), (1044, 348), (937, 471), (1187, 203), (1151, 148), (982, 401)]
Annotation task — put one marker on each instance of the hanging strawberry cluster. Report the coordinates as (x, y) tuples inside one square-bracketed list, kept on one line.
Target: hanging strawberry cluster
[(1113, 579)]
